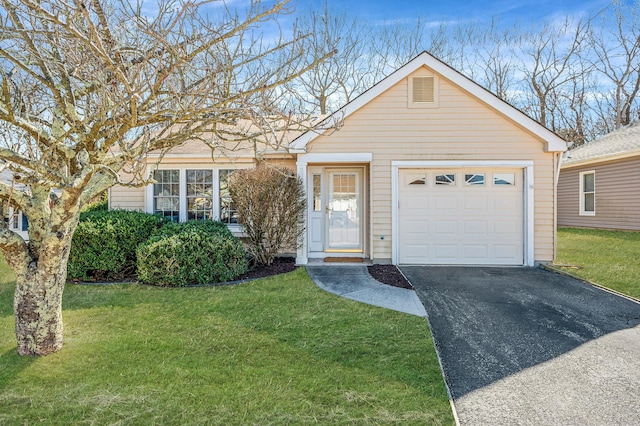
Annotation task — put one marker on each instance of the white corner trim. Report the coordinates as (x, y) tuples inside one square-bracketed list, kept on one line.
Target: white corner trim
[(528, 188), (356, 157)]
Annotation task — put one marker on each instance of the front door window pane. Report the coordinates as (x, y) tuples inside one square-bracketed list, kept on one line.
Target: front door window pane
[(317, 193)]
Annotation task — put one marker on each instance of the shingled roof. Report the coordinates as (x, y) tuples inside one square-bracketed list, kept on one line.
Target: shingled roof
[(624, 142)]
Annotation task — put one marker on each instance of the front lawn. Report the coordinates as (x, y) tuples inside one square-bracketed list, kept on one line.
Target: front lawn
[(608, 258), (272, 351)]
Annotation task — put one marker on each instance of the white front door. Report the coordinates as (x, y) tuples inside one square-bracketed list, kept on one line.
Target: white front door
[(336, 216), (344, 211)]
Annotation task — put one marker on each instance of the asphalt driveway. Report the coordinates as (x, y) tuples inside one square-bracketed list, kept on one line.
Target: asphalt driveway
[(527, 346)]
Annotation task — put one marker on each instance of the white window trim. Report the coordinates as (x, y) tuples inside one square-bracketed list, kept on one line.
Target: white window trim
[(528, 188), (412, 104), (583, 212), (148, 199)]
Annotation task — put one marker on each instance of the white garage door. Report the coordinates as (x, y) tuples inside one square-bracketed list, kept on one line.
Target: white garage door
[(461, 216)]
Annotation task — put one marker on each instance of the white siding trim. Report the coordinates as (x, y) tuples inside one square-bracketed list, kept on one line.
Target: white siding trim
[(303, 249), (528, 188)]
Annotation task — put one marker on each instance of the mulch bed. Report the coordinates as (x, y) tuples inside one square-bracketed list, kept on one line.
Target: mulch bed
[(280, 265), (390, 275), (386, 274)]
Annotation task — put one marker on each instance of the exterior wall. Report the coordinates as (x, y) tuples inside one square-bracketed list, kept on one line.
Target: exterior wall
[(460, 128), (617, 195), (128, 198)]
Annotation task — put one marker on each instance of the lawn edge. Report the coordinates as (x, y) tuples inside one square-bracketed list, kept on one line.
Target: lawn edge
[(556, 270)]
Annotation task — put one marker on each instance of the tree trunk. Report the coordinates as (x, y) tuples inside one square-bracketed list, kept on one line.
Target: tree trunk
[(38, 298), (38, 310)]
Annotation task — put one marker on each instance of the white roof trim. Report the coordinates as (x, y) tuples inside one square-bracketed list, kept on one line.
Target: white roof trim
[(554, 142)]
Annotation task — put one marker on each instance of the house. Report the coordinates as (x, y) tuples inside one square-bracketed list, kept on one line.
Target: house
[(15, 220), (599, 183), (427, 167)]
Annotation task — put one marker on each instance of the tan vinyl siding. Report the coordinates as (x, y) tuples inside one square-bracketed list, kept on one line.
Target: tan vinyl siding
[(461, 128), (126, 198), (617, 195)]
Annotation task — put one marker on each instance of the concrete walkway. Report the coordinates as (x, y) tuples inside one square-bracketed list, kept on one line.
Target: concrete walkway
[(354, 282)]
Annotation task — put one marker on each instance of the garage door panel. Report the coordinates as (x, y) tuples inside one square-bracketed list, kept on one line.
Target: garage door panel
[(504, 251), (445, 252), (444, 228), (473, 203), (475, 227), (445, 203), (476, 251), (460, 223)]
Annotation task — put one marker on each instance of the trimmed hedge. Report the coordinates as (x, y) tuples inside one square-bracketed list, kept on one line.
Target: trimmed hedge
[(104, 244), (199, 252)]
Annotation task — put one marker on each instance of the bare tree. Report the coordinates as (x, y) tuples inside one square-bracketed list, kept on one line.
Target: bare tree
[(548, 64), (616, 50), (337, 80), (494, 58), (89, 88)]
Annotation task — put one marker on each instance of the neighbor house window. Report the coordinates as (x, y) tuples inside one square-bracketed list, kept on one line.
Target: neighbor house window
[(166, 194), (588, 193)]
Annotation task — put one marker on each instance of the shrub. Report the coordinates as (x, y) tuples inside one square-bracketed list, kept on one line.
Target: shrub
[(206, 226), (104, 244), (270, 202), (191, 253)]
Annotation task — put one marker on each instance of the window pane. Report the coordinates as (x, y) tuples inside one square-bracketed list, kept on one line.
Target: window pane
[(589, 202), (317, 193), (474, 179), (199, 194), (589, 182), (166, 194), (228, 213), (504, 179), (448, 179)]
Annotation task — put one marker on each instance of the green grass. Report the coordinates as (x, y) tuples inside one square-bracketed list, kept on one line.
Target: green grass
[(608, 258), (272, 351)]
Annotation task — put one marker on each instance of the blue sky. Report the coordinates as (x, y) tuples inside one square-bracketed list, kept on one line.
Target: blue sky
[(509, 11)]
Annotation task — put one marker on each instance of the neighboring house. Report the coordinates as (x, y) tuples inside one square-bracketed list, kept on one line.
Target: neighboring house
[(599, 183), (16, 221), (426, 168)]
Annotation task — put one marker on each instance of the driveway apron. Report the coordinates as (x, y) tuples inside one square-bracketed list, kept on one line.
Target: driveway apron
[(527, 346)]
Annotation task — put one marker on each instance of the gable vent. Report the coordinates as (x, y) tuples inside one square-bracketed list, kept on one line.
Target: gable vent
[(423, 89)]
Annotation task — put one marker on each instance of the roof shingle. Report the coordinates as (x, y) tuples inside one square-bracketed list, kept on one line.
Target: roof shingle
[(625, 140)]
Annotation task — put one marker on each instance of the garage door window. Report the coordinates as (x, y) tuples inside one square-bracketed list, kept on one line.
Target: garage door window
[(474, 179), (446, 179), (500, 179)]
